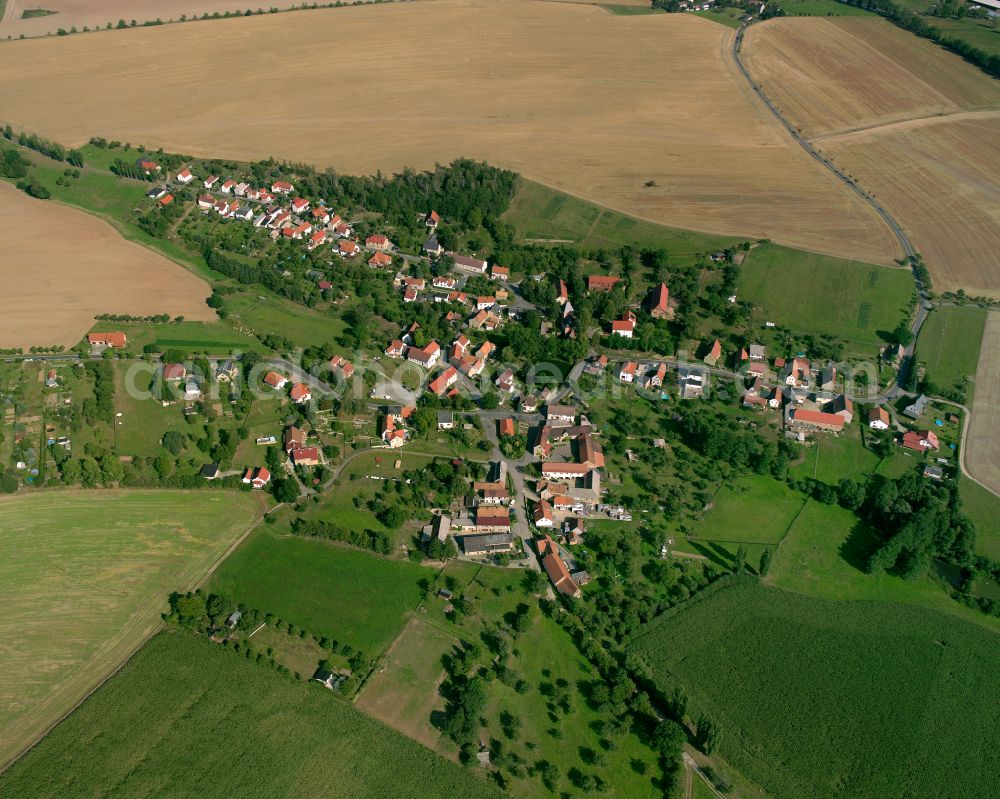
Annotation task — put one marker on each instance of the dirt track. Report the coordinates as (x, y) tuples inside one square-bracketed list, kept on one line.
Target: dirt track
[(923, 138), (596, 104), (61, 266)]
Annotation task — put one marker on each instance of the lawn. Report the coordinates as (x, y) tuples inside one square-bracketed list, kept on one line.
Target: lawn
[(545, 214), (754, 509), (949, 345), (823, 556), (187, 718), (83, 578), (351, 596), (833, 458), (826, 296), (984, 509), (817, 698)]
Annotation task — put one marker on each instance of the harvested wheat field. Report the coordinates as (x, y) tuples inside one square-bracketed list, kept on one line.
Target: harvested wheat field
[(595, 104), (982, 455), (941, 179), (822, 74), (61, 267), (98, 13), (924, 137)]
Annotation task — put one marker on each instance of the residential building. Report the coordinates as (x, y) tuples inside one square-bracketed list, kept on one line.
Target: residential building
[(920, 441), (878, 419), (542, 515), (445, 420), (426, 356), (276, 381), (714, 353), (440, 384), (628, 372), (294, 438), (468, 264)]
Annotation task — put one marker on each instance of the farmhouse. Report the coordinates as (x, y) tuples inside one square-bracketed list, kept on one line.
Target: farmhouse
[(300, 393), (920, 441), (558, 470), (276, 381), (486, 544), (340, 364), (295, 438), (114, 339), (797, 372), (556, 568), (466, 263), (432, 246), (426, 356), (258, 478), (378, 242), (690, 382), (628, 372), (917, 407), (623, 327), (492, 519), (560, 413), (714, 353), (305, 456), (803, 419), (602, 282), (444, 381), (174, 371), (542, 515)]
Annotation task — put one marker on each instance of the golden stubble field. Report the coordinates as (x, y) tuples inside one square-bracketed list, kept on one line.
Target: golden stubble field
[(60, 267), (982, 456), (923, 136), (569, 95)]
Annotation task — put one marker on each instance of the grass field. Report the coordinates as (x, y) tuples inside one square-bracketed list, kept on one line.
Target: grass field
[(265, 313), (836, 699), (351, 596), (215, 338), (949, 345), (752, 510), (79, 267), (187, 718), (83, 578), (984, 509), (702, 156), (543, 214), (823, 556), (404, 694), (923, 139), (795, 290)]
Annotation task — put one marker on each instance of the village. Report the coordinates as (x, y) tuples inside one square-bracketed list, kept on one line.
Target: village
[(539, 438)]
